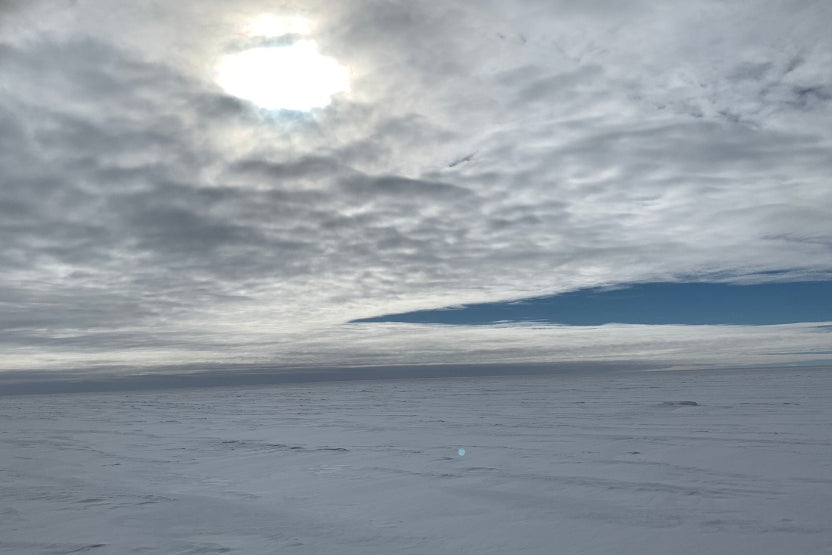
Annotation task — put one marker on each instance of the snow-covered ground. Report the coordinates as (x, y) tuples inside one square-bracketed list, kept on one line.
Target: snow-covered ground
[(699, 462)]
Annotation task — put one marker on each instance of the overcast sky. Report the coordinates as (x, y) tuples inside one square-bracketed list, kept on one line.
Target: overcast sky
[(485, 151)]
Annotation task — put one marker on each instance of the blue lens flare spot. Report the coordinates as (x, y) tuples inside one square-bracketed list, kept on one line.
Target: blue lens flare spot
[(461, 452)]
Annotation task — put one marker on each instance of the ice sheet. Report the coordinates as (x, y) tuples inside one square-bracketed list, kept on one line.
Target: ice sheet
[(634, 462)]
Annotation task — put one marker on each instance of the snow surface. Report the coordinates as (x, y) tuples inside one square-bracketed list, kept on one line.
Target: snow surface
[(640, 462)]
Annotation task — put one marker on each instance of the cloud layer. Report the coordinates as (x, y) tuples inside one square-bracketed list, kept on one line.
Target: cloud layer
[(486, 151)]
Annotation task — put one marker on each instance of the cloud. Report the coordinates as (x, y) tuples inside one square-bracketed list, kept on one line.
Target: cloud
[(153, 219)]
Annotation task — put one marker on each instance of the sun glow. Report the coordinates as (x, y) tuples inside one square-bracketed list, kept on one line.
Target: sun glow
[(293, 76)]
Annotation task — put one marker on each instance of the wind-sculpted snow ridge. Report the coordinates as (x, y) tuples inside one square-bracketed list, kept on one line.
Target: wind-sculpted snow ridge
[(680, 404), (718, 462)]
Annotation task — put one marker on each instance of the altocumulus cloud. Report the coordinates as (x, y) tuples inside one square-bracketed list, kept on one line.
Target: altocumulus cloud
[(486, 151)]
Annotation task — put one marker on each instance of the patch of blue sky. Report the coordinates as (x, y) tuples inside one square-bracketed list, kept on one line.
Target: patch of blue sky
[(648, 303)]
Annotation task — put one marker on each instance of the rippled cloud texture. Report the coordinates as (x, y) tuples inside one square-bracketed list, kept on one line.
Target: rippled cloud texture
[(485, 151)]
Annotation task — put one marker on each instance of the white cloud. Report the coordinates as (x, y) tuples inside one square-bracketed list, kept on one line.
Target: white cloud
[(485, 151)]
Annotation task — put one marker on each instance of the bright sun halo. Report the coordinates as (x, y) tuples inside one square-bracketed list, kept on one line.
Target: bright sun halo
[(291, 77)]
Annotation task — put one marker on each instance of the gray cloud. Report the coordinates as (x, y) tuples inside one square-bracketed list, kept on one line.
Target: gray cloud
[(486, 151)]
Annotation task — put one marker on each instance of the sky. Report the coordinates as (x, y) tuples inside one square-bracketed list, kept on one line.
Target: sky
[(687, 304), (240, 183)]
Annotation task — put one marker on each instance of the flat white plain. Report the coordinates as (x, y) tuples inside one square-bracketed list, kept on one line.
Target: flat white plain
[(711, 462)]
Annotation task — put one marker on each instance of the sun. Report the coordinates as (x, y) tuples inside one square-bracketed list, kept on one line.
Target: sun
[(289, 76)]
